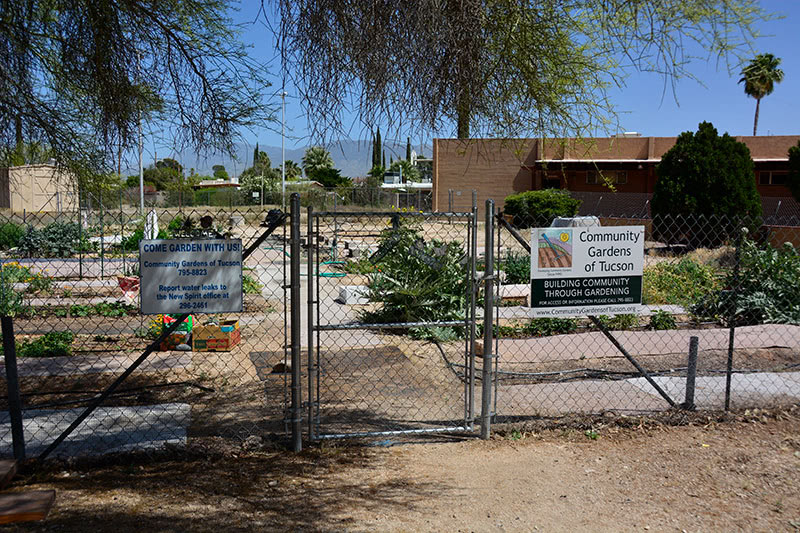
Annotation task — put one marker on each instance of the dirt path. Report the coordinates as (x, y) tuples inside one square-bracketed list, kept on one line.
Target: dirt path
[(707, 476)]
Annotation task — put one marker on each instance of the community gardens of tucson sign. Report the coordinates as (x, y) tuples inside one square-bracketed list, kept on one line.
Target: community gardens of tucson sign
[(583, 271)]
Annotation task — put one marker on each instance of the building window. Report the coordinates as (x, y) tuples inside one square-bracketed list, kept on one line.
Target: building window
[(616, 177), (552, 180), (772, 177)]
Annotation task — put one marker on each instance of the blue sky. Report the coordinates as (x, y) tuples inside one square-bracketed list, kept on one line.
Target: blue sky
[(644, 105)]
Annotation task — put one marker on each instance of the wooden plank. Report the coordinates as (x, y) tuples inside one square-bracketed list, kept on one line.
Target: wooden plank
[(8, 469), (26, 506)]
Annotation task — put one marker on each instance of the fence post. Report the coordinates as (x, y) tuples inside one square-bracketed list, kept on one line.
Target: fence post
[(102, 240), (473, 309), (310, 278), (691, 373), (488, 310), (12, 380), (294, 295), (732, 318), (122, 233), (80, 237)]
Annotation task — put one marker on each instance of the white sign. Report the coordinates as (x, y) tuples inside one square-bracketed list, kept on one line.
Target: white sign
[(586, 271), (190, 276)]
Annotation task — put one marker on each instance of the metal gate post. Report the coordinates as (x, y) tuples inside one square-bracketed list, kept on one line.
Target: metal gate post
[(294, 295), (473, 316), (488, 310)]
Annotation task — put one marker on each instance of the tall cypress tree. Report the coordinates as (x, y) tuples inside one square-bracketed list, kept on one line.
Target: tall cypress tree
[(255, 154), (373, 149), (376, 157), (408, 149), (383, 164)]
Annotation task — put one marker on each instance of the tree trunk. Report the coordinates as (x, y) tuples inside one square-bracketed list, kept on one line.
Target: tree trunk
[(755, 122), (462, 128)]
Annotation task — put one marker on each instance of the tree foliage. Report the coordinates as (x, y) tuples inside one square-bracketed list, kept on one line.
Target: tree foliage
[(539, 208), (409, 172), (794, 171), (706, 182), (499, 68), (759, 78), (329, 177), (75, 76), (316, 158)]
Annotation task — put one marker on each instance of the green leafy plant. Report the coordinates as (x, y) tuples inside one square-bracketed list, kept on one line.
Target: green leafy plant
[(767, 290), (80, 310), (416, 280), (14, 272), (545, 327), (678, 283), (57, 239), (539, 208), (661, 320), (250, 285), (517, 267), (11, 303), (619, 322), (51, 344), (591, 434), (113, 309), (10, 235)]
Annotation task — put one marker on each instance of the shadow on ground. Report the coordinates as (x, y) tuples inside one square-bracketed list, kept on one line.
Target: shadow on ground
[(233, 490)]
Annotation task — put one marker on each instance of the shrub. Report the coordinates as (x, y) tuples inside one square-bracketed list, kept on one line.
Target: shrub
[(415, 280), (545, 327), (705, 185), (767, 290), (794, 171), (57, 239), (539, 208), (10, 235), (661, 320), (684, 282)]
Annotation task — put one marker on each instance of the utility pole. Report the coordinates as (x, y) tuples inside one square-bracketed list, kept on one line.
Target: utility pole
[(283, 150)]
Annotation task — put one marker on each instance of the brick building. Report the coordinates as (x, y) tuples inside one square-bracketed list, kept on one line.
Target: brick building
[(496, 168)]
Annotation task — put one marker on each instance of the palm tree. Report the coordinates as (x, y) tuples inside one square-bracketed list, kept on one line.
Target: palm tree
[(293, 171), (759, 78), (316, 158)]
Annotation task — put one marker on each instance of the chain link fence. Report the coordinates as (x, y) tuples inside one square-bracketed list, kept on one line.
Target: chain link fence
[(69, 281), (732, 283), (392, 322), (396, 312)]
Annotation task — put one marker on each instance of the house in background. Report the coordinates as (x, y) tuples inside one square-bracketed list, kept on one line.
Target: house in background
[(37, 188), (496, 168)]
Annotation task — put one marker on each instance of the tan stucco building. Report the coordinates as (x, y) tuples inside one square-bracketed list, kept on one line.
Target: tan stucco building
[(35, 188)]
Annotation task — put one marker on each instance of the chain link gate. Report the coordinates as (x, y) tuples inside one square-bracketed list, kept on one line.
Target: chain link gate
[(391, 309)]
